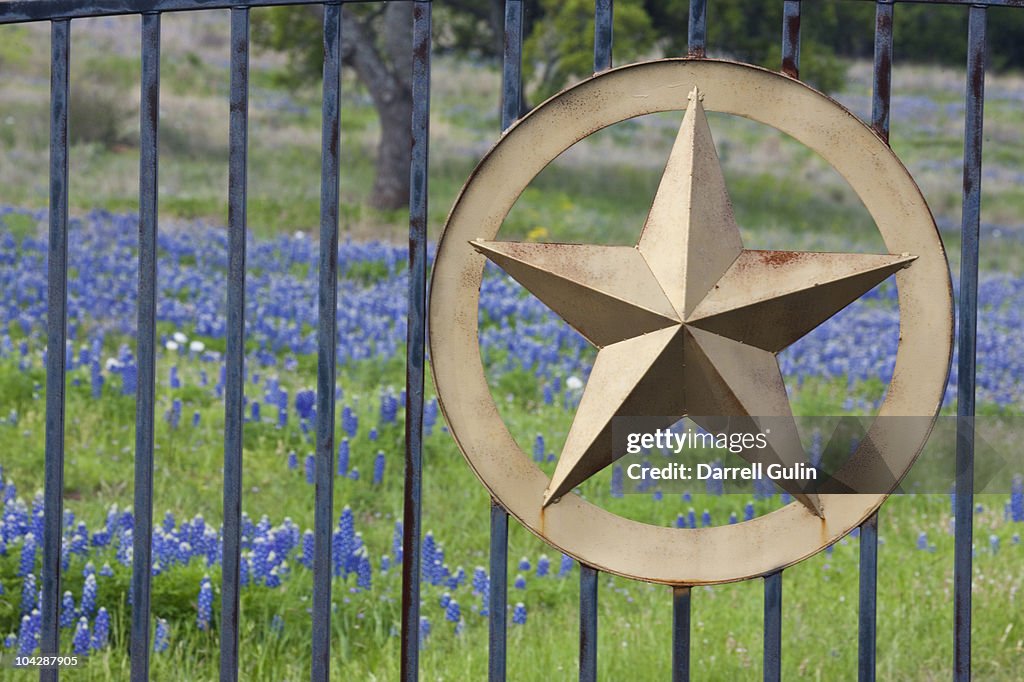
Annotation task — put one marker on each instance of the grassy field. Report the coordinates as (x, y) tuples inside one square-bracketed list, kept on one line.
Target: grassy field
[(599, 191)]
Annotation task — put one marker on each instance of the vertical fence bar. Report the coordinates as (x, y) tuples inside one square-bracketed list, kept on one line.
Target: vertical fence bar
[(603, 12), (498, 601), (145, 396), (867, 619), (773, 627), (56, 340), (791, 38), (327, 327), (588, 623), (967, 342), (511, 77), (511, 101), (882, 85), (867, 623), (697, 28), (415, 341), (681, 634), (234, 361)]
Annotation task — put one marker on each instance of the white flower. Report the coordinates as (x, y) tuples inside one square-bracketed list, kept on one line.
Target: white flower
[(112, 364), (171, 346), (180, 338), (573, 383), (197, 346)]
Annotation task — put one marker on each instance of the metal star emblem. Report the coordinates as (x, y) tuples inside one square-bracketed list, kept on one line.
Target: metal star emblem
[(687, 322)]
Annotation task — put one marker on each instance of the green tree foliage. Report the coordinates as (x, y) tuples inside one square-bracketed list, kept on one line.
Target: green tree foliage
[(560, 48)]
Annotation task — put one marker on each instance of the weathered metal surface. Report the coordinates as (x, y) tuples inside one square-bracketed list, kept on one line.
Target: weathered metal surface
[(588, 623), (142, 532), (609, 542), (234, 359), (867, 622), (791, 38), (680, 634), (497, 639), (697, 28), (603, 10), (56, 338), (415, 340), (773, 627), (327, 329), (882, 75), (967, 345)]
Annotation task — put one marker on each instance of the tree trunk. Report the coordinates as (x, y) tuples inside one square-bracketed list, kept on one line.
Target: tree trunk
[(385, 68)]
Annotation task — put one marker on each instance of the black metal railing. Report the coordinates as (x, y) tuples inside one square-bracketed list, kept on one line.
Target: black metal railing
[(60, 14)]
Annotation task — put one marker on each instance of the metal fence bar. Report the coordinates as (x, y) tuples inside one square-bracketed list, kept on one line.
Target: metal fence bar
[(697, 28), (681, 634), (498, 602), (773, 627), (603, 12), (967, 344), (512, 60), (511, 101), (791, 38), (56, 340), (415, 342), (882, 79), (18, 11), (588, 623), (234, 361), (327, 351), (145, 394), (867, 621)]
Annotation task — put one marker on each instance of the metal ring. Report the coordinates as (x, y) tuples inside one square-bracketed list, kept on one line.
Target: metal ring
[(593, 535)]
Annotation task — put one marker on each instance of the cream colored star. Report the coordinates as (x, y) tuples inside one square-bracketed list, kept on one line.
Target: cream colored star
[(687, 322)]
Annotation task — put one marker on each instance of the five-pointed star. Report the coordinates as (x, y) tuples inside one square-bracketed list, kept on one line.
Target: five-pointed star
[(687, 322)]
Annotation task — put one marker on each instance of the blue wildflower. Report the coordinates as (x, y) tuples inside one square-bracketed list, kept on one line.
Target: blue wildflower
[(160, 636), (80, 641), (519, 614), (100, 629), (205, 604), (378, 468)]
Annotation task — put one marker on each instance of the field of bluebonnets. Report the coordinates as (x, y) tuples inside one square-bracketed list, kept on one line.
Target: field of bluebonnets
[(535, 363)]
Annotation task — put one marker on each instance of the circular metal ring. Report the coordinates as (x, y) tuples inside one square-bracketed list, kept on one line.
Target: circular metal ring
[(593, 535)]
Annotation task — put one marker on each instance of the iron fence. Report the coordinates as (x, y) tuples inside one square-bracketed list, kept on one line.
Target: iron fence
[(61, 13)]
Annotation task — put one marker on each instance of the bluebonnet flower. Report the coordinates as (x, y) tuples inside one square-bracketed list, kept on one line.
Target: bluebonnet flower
[(519, 614), (100, 629), (1017, 499), (1016, 538), (205, 604), (680, 521), (277, 623), (174, 381), (993, 543), (549, 395), (429, 416), (106, 571), (424, 628), (538, 448), (524, 564), (396, 542), (354, 474), (254, 411), (80, 641), (174, 414), (566, 566), (378, 468), (388, 409), (922, 540), (373, 435), (618, 483), (543, 565), (445, 598), (160, 636), (520, 582), (705, 519), (453, 614), (28, 635), (748, 511), (310, 469), (343, 455), (349, 421), (67, 611), (732, 518), (385, 563), (308, 547), (28, 556), (293, 461), (480, 581), (304, 402), (28, 593), (691, 518), (364, 572)]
